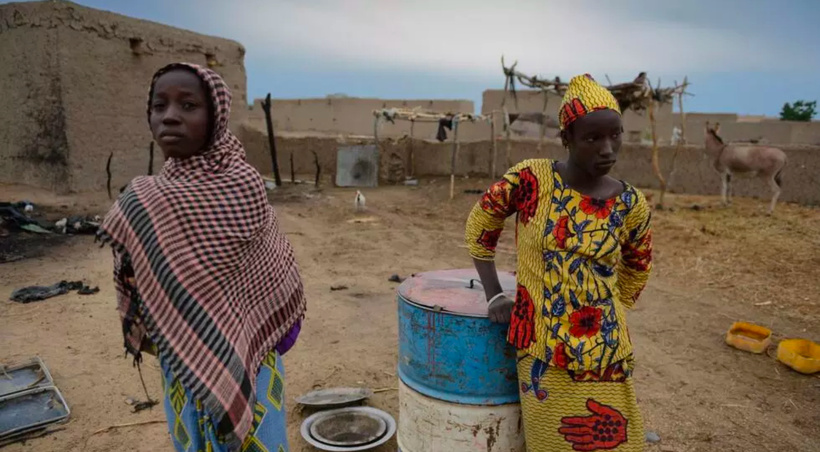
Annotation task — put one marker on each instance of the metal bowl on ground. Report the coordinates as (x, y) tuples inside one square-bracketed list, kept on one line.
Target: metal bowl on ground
[(349, 429), (334, 397)]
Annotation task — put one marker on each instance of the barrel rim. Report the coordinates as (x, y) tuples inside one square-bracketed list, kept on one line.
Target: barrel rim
[(460, 399), (440, 311)]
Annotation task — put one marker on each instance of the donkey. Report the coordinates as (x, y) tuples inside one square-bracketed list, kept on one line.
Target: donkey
[(762, 161)]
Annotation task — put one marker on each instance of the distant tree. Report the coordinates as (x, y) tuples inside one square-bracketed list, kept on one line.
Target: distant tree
[(799, 111)]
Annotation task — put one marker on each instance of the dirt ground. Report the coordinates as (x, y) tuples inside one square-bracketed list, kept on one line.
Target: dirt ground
[(713, 266)]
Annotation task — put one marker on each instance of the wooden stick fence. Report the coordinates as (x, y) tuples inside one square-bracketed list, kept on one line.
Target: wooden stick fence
[(424, 116)]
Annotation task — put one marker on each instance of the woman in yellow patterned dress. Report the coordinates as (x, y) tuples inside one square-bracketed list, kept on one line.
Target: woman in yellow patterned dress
[(584, 248)]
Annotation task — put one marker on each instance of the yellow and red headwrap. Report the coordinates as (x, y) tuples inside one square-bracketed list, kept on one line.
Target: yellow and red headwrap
[(584, 95)]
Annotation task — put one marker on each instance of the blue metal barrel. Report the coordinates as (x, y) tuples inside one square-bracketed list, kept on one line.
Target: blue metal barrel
[(448, 348)]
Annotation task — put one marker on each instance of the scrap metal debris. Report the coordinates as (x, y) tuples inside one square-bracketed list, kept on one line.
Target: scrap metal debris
[(78, 225)]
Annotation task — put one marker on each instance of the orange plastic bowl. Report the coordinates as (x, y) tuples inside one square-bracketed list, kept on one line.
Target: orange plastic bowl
[(801, 355), (749, 337)]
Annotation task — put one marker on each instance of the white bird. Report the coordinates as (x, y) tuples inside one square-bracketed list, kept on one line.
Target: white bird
[(359, 202), (676, 135)]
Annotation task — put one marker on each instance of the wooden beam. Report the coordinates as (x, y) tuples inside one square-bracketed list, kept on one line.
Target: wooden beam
[(494, 150), (544, 120), (453, 160), (507, 132), (266, 106), (412, 169), (655, 159)]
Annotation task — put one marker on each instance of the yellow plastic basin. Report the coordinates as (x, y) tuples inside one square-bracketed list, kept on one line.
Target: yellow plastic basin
[(801, 355), (749, 337)]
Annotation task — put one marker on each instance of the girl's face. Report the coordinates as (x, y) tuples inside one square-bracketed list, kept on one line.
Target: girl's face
[(180, 114), (594, 141)]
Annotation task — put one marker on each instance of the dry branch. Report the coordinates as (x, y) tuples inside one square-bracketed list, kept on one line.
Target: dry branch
[(637, 95), (130, 424), (633, 95)]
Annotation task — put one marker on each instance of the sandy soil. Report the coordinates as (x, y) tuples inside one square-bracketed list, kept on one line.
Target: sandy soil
[(714, 266)]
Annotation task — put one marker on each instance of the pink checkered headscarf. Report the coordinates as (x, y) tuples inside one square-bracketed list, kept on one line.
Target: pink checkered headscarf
[(218, 283)]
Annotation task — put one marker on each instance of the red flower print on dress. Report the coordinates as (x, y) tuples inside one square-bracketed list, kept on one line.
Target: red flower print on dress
[(526, 198), (560, 358), (615, 372), (522, 324), (600, 208), (638, 255), (585, 322), (496, 200), (605, 429), (561, 231), (489, 239)]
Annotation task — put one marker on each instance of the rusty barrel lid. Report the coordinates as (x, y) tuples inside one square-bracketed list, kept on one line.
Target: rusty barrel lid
[(452, 291)]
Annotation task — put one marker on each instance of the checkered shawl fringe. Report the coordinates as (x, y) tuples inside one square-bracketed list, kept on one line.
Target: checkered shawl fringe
[(218, 283)]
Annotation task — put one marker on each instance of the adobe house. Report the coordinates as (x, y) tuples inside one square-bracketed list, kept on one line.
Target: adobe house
[(73, 90)]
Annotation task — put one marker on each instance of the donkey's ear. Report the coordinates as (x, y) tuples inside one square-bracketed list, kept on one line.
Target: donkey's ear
[(707, 126), (717, 127)]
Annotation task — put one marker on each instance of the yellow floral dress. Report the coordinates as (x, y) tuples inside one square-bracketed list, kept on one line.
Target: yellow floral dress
[(581, 263)]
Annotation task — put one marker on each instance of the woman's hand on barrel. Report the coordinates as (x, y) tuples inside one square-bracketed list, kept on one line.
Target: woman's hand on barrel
[(500, 309)]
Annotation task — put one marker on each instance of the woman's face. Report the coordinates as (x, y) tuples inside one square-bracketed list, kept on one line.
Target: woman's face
[(594, 141), (180, 116)]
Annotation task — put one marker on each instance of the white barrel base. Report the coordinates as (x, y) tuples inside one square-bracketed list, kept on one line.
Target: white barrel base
[(430, 425)]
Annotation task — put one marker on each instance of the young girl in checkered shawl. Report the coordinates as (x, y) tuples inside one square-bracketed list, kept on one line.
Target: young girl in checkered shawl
[(205, 279)]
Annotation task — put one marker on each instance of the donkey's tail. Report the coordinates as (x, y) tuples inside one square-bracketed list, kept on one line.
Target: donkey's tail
[(778, 177)]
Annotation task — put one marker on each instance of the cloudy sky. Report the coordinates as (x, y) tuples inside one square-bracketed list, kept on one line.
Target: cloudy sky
[(745, 56)]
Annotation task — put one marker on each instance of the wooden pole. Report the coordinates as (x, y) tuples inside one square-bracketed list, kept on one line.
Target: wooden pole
[(507, 137), (494, 150), (544, 120), (655, 159), (682, 112), (454, 158), (292, 170), (266, 104), (682, 141), (108, 173), (151, 159), (318, 169), (412, 157)]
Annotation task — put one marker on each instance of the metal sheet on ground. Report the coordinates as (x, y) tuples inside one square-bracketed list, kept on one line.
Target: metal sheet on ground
[(357, 166), (27, 411)]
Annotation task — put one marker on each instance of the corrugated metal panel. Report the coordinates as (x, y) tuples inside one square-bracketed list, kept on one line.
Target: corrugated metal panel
[(357, 166)]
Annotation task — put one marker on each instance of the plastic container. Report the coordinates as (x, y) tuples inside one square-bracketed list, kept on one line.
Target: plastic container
[(749, 337), (801, 355), (432, 425)]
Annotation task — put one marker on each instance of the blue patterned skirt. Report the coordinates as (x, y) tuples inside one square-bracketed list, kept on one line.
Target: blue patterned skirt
[(193, 430)]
